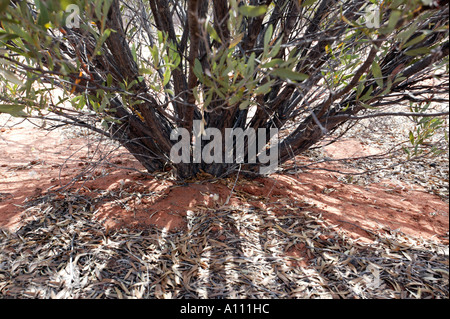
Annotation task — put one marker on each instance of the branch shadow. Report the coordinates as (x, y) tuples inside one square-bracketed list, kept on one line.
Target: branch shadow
[(281, 249), (125, 235)]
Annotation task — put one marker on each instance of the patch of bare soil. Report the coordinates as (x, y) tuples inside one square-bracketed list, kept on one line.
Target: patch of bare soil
[(117, 233)]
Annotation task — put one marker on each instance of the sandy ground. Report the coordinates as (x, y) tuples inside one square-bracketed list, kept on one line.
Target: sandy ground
[(34, 162)]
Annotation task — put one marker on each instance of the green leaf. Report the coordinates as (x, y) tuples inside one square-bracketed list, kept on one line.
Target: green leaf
[(195, 92), (213, 33), (155, 55), (272, 63), (4, 36), (198, 69), (250, 69), (236, 41), (388, 87), (418, 51), (399, 79), (81, 102), (252, 11), (13, 109), (308, 2), (145, 71), (396, 3), (102, 40), (264, 89), (109, 80), (406, 34), (288, 74), (160, 37), (235, 98), (208, 99), (411, 137), (98, 9), (276, 48), (244, 105), (267, 37), (377, 74), (407, 151), (359, 89), (393, 20), (10, 77), (43, 18), (367, 95), (133, 52), (167, 75), (105, 124), (416, 40), (3, 5)]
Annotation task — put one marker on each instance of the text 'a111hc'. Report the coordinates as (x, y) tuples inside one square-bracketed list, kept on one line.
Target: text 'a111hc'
[(228, 309)]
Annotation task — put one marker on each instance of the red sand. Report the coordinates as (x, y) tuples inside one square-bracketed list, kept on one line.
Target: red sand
[(34, 161)]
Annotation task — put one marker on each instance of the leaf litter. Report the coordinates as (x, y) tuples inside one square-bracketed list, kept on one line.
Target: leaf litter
[(230, 252)]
